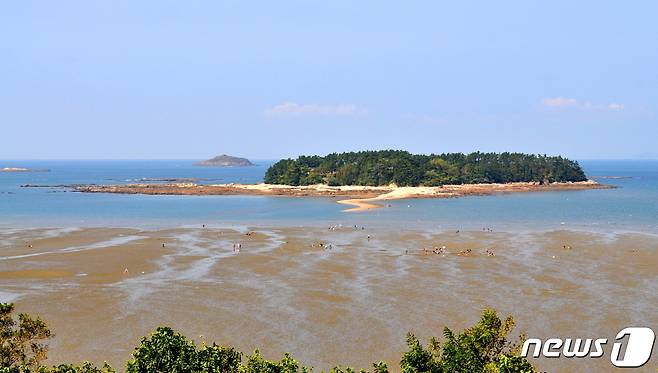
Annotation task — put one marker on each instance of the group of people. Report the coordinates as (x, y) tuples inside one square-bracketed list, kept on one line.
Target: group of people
[(323, 245), (484, 229), (339, 226), (436, 250), (444, 250)]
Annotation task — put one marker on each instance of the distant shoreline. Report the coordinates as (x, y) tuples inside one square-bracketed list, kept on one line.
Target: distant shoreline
[(362, 197), (22, 169)]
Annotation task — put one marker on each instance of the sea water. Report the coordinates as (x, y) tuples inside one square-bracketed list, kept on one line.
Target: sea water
[(632, 206)]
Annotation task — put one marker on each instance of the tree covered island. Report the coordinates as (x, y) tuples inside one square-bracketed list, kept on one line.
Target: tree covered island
[(385, 167)]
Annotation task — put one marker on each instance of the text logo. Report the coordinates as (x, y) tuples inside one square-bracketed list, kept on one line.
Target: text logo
[(632, 347)]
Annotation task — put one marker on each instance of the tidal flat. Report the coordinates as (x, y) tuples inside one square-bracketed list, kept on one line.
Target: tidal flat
[(335, 295)]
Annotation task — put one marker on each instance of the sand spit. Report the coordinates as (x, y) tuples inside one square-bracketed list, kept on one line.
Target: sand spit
[(453, 191), (362, 197)]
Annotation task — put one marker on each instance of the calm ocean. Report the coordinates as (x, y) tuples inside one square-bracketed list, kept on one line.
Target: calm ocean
[(631, 207)]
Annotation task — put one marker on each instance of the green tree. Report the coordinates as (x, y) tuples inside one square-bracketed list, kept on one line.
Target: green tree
[(482, 348), (440, 171), (257, 364), (218, 359), (164, 351), (419, 359), (22, 344), (86, 367), (385, 167)]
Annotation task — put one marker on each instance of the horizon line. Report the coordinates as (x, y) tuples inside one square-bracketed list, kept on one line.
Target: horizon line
[(252, 159)]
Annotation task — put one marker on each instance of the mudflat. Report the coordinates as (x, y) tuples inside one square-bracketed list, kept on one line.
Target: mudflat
[(348, 295)]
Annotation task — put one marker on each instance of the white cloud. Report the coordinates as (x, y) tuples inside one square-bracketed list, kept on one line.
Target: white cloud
[(563, 102), (295, 109), (559, 101)]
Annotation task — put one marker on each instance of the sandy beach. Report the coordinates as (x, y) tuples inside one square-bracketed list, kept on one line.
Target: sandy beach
[(362, 197), (349, 301)]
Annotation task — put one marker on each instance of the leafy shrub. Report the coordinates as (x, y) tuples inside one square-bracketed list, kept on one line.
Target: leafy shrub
[(481, 348), (164, 351), (86, 367), (21, 344)]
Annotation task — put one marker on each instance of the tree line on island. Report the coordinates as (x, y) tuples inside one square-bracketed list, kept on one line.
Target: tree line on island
[(385, 167), (484, 348)]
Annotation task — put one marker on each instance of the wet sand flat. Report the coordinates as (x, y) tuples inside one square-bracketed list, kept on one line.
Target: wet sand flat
[(329, 296)]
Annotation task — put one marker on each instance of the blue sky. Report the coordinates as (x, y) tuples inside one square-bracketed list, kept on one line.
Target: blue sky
[(171, 79)]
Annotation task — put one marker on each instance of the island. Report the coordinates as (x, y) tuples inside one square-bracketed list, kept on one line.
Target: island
[(385, 167), (365, 179), (225, 161)]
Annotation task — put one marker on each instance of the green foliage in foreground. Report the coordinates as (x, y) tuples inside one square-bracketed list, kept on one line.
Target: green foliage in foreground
[(481, 348), (22, 343), (376, 168)]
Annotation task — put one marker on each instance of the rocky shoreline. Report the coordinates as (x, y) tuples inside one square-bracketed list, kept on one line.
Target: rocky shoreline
[(351, 194)]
